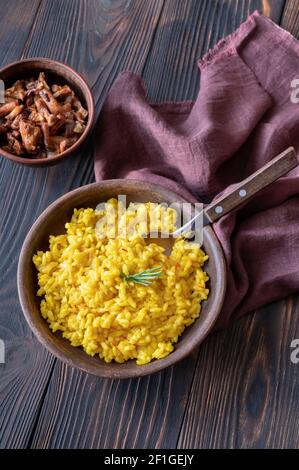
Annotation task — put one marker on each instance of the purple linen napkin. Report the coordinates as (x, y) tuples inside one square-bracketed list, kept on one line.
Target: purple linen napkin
[(243, 117)]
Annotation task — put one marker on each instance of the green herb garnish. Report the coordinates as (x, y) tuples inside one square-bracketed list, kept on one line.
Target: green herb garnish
[(145, 278)]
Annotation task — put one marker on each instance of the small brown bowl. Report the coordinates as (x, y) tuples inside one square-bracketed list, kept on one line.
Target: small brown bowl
[(62, 74), (52, 221)]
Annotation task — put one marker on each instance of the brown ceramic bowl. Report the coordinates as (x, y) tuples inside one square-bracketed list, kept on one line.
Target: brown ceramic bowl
[(52, 221), (56, 72)]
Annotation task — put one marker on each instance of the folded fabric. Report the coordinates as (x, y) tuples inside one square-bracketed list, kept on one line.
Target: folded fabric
[(242, 118)]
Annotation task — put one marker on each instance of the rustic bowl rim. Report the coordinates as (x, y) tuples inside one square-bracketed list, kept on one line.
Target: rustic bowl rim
[(139, 370), (90, 121)]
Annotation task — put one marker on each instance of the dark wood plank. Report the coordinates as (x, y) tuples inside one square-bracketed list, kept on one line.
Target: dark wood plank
[(290, 18), (186, 31), (80, 411), (25, 374), (15, 28), (97, 38), (65, 382), (139, 421), (83, 412), (249, 395)]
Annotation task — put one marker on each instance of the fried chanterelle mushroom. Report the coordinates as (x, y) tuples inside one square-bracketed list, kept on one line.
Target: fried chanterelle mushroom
[(40, 120)]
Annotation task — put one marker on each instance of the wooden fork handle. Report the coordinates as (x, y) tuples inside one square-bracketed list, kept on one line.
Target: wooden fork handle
[(278, 166)]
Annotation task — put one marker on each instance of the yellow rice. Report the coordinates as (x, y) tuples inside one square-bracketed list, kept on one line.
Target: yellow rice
[(84, 294)]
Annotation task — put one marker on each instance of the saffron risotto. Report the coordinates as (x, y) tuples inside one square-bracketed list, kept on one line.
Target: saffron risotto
[(85, 294)]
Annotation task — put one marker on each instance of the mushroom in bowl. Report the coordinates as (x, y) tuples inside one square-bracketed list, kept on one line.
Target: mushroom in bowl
[(47, 112)]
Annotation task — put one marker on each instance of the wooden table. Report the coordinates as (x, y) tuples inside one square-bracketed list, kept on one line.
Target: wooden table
[(240, 389)]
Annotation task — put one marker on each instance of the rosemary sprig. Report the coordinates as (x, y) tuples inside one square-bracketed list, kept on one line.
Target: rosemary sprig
[(145, 278)]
